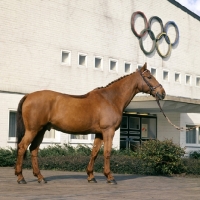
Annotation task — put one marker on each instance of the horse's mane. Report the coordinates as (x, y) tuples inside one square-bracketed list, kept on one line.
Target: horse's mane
[(120, 78)]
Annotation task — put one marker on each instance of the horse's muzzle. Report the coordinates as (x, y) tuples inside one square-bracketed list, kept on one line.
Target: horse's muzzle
[(160, 96)]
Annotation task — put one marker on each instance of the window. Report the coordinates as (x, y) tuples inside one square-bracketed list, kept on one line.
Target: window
[(197, 81), (187, 79), (134, 123), (193, 135), (137, 128), (13, 127), (82, 138), (113, 65), (139, 66), (177, 77), (153, 72), (12, 124), (50, 134), (148, 128), (66, 57), (98, 63), (124, 122), (127, 68), (82, 60), (165, 75)]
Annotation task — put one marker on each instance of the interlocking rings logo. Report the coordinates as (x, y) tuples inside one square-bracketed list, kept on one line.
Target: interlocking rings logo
[(155, 40)]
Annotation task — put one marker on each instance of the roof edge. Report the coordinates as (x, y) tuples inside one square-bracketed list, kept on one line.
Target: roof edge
[(168, 98), (184, 9)]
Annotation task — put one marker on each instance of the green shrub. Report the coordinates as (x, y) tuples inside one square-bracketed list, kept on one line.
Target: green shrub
[(83, 150), (154, 157), (163, 157), (118, 164), (7, 157), (192, 166), (56, 150), (195, 154)]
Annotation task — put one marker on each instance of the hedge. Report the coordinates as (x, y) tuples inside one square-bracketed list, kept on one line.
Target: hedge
[(152, 158)]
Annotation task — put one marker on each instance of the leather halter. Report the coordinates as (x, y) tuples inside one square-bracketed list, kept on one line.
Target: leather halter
[(152, 88)]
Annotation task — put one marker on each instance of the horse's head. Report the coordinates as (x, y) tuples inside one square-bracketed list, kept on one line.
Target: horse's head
[(149, 84)]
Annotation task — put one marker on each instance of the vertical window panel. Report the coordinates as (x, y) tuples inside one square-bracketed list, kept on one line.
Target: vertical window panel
[(134, 123), (12, 123), (191, 135)]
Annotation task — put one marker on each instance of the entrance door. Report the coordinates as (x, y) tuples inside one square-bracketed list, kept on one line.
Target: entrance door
[(137, 128)]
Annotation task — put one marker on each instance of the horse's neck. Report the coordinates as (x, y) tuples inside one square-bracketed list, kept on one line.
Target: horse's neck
[(122, 91)]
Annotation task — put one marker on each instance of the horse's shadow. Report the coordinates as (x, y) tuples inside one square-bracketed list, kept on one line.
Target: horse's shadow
[(118, 178)]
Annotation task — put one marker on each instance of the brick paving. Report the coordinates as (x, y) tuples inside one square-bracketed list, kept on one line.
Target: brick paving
[(74, 185)]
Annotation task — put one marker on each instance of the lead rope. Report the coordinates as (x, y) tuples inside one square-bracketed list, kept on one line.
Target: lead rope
[(177, 127)]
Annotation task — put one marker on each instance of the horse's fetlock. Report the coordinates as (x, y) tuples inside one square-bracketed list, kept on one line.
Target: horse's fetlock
[(18, 173), (106, 173), (89, 170)]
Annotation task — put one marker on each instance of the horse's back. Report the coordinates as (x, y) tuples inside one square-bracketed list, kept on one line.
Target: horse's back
[(69, 113)]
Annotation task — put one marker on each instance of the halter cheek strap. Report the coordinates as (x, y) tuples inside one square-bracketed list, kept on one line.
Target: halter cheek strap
[(152, 88)]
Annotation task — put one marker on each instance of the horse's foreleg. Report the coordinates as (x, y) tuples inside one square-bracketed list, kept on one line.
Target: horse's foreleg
[(97, 145), (22, 147), (34, 156), (108, 138)]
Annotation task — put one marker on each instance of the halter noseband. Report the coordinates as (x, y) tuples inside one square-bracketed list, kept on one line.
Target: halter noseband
[(152, 88)]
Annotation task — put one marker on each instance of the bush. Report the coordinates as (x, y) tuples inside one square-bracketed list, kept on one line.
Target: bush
[(7, 157), (195, 154), (192, 166), (152, 158), (56, 150), (163, 157), (118, 164)]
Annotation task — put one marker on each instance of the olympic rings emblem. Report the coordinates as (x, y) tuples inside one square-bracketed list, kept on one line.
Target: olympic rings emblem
[(155, 40)]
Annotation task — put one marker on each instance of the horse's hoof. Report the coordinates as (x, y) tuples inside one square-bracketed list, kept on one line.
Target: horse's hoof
[(22, 181), (112, 182), (93, 180), (42, 181)]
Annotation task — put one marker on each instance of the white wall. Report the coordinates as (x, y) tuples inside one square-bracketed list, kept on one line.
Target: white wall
[(8, 102), (166, 130), (33, 33), (189, 119)]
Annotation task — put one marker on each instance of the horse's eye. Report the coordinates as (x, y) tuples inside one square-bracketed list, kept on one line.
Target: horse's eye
[(149, 77)]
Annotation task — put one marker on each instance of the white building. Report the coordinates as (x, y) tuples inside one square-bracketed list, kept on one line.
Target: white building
[(75, 46)]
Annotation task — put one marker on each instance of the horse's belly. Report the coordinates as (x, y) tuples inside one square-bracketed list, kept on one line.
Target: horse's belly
[(75, 124)]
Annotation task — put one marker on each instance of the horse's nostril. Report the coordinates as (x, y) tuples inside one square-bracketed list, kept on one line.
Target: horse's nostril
[(163, 94)]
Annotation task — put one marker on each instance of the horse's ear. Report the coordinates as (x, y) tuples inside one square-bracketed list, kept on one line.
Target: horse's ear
[(144, 67)]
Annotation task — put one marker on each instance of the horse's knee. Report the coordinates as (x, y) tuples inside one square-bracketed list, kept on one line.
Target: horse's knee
[(107, 154)]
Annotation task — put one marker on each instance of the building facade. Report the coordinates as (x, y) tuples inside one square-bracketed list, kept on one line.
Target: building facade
[(75, 46)]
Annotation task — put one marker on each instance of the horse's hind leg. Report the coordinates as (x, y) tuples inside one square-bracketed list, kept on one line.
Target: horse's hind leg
[(22, 147), (34, 155), (97, 145)]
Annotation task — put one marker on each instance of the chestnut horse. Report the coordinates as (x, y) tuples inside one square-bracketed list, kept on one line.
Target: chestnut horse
[(99, 112)]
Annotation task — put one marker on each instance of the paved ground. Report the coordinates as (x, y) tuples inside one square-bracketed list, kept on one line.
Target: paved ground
[(73, 185)]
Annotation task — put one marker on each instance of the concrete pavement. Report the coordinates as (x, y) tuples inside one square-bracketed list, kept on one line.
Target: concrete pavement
[(73, 185)]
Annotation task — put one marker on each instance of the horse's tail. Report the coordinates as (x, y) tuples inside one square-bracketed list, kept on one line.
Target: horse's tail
[(20, 122)]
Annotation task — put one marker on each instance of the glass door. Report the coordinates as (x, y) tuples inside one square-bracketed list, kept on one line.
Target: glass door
[(137, 128)]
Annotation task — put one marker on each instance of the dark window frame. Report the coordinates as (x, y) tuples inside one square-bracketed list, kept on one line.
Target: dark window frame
[(136, 134)]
